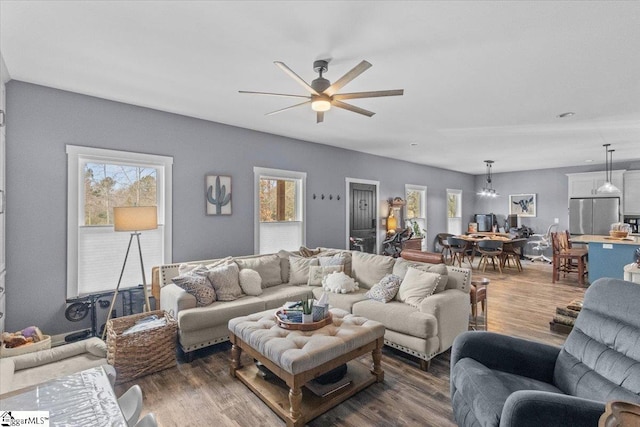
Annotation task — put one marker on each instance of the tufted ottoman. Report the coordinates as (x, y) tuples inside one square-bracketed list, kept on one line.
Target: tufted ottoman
[(298, 357)]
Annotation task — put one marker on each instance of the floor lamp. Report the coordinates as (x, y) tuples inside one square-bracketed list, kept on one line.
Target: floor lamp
[(133, 219)]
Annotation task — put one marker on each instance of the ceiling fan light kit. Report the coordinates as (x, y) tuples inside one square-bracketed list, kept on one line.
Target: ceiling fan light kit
[(323, 94)]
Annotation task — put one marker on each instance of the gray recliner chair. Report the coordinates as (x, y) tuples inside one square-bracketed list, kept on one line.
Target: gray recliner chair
[(497, 380)]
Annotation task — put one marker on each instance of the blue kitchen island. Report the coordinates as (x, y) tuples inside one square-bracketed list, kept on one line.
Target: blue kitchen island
[(608, 256)]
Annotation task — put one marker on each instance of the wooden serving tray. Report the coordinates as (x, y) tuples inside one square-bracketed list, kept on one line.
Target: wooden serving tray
[(295, 326)]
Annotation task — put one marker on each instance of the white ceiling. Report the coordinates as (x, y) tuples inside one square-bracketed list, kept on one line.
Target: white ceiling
[(482, 80)]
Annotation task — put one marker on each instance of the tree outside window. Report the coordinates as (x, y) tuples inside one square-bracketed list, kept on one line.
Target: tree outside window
[(278, 200)]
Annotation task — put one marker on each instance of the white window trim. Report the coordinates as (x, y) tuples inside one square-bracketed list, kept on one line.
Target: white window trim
[(423, 200), (77, 153), (260, 172)]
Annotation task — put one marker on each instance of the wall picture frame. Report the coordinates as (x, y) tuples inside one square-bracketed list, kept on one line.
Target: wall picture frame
[(523, 205), (217, 194)]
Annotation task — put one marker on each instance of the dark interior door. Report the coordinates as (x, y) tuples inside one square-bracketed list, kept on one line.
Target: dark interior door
[(362, 222)]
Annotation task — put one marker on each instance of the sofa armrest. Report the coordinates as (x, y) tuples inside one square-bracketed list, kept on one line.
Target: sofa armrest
[(508, 354), (94, 345), (537, 408), (173, 299), (7, 368), (451, 309)]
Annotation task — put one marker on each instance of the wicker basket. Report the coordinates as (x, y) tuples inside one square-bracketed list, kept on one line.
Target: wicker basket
[(140, 353)]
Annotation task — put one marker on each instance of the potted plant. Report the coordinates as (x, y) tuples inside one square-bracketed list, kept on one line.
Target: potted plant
[(307, 311)]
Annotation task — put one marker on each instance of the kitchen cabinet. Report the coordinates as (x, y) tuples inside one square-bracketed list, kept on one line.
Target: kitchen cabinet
[(587, 184), (632, 192)]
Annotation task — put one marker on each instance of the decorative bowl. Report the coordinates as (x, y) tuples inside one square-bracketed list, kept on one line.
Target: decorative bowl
[(618, 234)]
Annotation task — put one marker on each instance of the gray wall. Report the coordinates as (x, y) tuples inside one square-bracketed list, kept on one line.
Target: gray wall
[(42, 120)]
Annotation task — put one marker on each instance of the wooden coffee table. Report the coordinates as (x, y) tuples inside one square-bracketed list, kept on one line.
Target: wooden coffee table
[(347, 338)]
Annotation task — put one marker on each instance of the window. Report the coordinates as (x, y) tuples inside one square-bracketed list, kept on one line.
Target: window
[(454, 211), (279, 210), (416, 208), (98, 180)]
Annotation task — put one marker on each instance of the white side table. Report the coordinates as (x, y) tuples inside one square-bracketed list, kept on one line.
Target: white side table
[(632, 273)]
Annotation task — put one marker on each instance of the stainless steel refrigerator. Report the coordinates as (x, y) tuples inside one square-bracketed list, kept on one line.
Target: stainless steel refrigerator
[(593, 215)]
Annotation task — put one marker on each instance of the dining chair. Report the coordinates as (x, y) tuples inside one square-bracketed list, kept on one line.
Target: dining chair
[(443, 242), (459, 249), (131, 404), (148, 420), (512, 251), (567, 259), (490, 250)]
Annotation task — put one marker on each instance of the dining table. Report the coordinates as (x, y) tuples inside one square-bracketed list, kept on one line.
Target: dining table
[(474, 238), (85, 398)]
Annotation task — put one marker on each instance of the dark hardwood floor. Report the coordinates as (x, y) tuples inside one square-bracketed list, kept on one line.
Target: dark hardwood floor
[(202, 393)]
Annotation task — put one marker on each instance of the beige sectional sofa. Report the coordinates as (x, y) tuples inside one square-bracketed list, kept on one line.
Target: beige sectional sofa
[(423, 330)]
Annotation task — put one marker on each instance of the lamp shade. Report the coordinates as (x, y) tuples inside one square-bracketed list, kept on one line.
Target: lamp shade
[(135, 218)]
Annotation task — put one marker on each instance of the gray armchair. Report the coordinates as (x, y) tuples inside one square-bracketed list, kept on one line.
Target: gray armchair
[(497, 380)]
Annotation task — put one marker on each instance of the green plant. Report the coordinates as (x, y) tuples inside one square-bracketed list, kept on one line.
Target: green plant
[(221, 199), (307, 306)]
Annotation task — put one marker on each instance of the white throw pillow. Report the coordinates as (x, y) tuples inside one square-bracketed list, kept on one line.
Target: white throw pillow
[(326, 261), (299, 269), (250, 282), (339, 283), (317, 273), (417, 285)]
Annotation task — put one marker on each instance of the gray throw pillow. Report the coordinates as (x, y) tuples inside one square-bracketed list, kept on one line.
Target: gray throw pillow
[(198, 286), (385, 290)]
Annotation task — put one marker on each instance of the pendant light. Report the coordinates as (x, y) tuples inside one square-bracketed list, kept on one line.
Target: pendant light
[(487, 190), (608, 187)]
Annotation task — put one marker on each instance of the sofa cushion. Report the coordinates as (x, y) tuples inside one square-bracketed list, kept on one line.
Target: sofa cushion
[(284, 264), (275, 296), (385, 290), (217, 313), (342, 301), (399, 317), (250, 282), (225, 280), (369, 269), (401, 265), (299, 269), (416, 286), (267, 266), (198, 285), (485, 390), (317, 273)]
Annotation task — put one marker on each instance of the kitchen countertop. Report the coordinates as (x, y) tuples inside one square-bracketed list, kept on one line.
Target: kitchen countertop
[(588, 238)]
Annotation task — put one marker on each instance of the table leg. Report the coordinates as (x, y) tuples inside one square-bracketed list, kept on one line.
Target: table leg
[(236, 352), (376, 355), (295, 399)]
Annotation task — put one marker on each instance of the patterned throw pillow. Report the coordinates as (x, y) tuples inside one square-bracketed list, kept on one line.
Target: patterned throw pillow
[(317, 273), (226, 282), (306, 252), (198, 286), (250, 282), (326, 261), (385, 290)]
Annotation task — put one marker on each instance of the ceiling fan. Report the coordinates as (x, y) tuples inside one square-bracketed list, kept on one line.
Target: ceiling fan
[(324, 94)]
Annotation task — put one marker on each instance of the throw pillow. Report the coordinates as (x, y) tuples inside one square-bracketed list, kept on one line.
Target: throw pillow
[(267, 266), (416, 286), (369, 269), (219, 262), (299, 269), (284, 264), (345, 254), (250, 282), (339, 283), (317, 273), (326, 261), (185, 268), (198, 286), (401, 265), (306, 252), (385, 290), (225, 281)]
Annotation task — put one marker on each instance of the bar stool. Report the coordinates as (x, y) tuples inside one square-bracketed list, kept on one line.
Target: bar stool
[(567, 259), (478, 294)]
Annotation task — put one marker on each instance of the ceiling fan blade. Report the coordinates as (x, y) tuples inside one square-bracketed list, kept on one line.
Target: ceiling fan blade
[(353, 108), (284, 95), (288, 108), (320, 117), (295, 77), (374, 94), (355, 72)]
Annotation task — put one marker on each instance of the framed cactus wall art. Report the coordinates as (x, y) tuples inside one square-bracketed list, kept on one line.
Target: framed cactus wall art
[(218, 194)]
